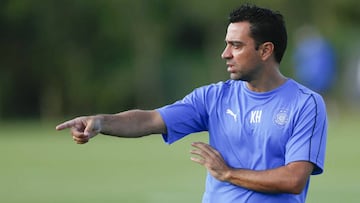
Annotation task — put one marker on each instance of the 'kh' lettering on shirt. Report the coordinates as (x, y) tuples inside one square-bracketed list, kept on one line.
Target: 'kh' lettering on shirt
[(256, 116)]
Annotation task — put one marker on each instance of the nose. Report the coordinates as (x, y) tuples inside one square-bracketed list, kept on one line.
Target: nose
[(226, 54)]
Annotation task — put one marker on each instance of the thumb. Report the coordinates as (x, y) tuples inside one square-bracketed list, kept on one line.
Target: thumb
[(92, 128)]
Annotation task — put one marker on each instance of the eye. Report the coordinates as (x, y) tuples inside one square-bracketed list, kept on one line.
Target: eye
[(236, 45)]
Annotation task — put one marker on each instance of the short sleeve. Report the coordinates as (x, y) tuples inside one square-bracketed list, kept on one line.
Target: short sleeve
[(308, 140), (185, 116)]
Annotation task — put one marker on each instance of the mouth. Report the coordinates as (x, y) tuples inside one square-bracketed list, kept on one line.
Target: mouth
[(230, 67)]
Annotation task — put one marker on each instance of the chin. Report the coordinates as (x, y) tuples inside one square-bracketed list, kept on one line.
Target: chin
[(235, 77), (240, 77)]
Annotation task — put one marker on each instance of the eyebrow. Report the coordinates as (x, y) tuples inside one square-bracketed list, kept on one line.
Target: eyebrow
[(234, 42)]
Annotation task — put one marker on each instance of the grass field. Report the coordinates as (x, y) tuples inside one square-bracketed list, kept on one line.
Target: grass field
[(41, 165)]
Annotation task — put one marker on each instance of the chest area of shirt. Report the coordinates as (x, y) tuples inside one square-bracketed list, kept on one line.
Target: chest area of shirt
[(258, 116), (258, 121)]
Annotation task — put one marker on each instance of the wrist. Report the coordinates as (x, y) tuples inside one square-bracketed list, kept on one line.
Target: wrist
[(99, 123), (228, 175)]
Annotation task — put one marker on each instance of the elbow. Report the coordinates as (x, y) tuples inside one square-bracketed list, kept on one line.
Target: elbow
[(296, 186), (296, 191)]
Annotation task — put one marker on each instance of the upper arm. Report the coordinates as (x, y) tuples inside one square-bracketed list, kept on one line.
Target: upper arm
[(308, 139), (299, 172), (301, 169), (185, 116), (156, 124)]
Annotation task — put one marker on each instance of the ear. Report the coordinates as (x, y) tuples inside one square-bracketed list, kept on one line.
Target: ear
[(266, 50)]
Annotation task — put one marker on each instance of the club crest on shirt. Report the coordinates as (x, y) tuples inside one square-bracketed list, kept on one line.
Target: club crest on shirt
[(281, 117)]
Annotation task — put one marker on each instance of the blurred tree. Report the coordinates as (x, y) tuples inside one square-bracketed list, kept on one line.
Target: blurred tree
[(86, 56)]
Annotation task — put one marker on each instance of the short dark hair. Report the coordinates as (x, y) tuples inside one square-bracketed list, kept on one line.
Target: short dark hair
[(265, 26)]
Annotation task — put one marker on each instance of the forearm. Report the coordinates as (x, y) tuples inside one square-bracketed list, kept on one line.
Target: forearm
[(131, 124), (286, 179), (261, 181)]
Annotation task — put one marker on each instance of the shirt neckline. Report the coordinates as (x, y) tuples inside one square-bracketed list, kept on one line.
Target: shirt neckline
[(268, 93)]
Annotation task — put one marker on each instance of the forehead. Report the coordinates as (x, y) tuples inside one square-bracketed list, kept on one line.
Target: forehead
[(238, 31)]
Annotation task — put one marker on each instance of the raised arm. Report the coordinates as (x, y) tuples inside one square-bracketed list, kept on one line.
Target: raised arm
[(130, 124)]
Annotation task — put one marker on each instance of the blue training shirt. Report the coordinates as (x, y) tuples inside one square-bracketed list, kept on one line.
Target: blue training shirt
[(251, 130)]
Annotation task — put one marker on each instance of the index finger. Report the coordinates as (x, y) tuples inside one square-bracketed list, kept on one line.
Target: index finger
[(67, 124), (205, 147), (200, 145)]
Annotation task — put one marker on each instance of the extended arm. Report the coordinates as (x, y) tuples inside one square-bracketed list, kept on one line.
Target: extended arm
[(130, 124), (290, 178)]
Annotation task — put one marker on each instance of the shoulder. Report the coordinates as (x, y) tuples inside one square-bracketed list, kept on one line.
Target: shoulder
[(220, 87), (212, 93), (306, 96), (302, 90)]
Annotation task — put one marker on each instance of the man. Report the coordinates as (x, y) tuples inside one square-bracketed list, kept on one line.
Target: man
[(267, 132)]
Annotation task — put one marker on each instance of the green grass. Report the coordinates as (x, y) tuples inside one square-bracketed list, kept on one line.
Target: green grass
[(41, 165), (340, 180)]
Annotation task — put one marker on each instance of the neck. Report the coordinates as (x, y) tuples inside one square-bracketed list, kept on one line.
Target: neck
[(267, 81)]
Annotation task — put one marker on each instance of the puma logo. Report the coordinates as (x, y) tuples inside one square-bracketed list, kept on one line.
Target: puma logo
[(231, 113)]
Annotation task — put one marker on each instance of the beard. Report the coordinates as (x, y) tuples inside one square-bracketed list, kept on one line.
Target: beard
[(246, 74), (241, 77)]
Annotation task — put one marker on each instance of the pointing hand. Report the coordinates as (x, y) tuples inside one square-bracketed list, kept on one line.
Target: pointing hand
[(82, 128)]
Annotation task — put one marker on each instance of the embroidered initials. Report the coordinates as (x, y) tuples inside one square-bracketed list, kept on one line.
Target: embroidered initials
[(256, 116)]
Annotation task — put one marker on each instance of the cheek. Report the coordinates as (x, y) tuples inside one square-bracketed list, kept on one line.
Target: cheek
[(247, 56), (242, 57)]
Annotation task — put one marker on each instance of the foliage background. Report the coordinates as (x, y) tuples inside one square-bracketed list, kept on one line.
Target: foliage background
[(89, 56), (59, 59), (64, 58)]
